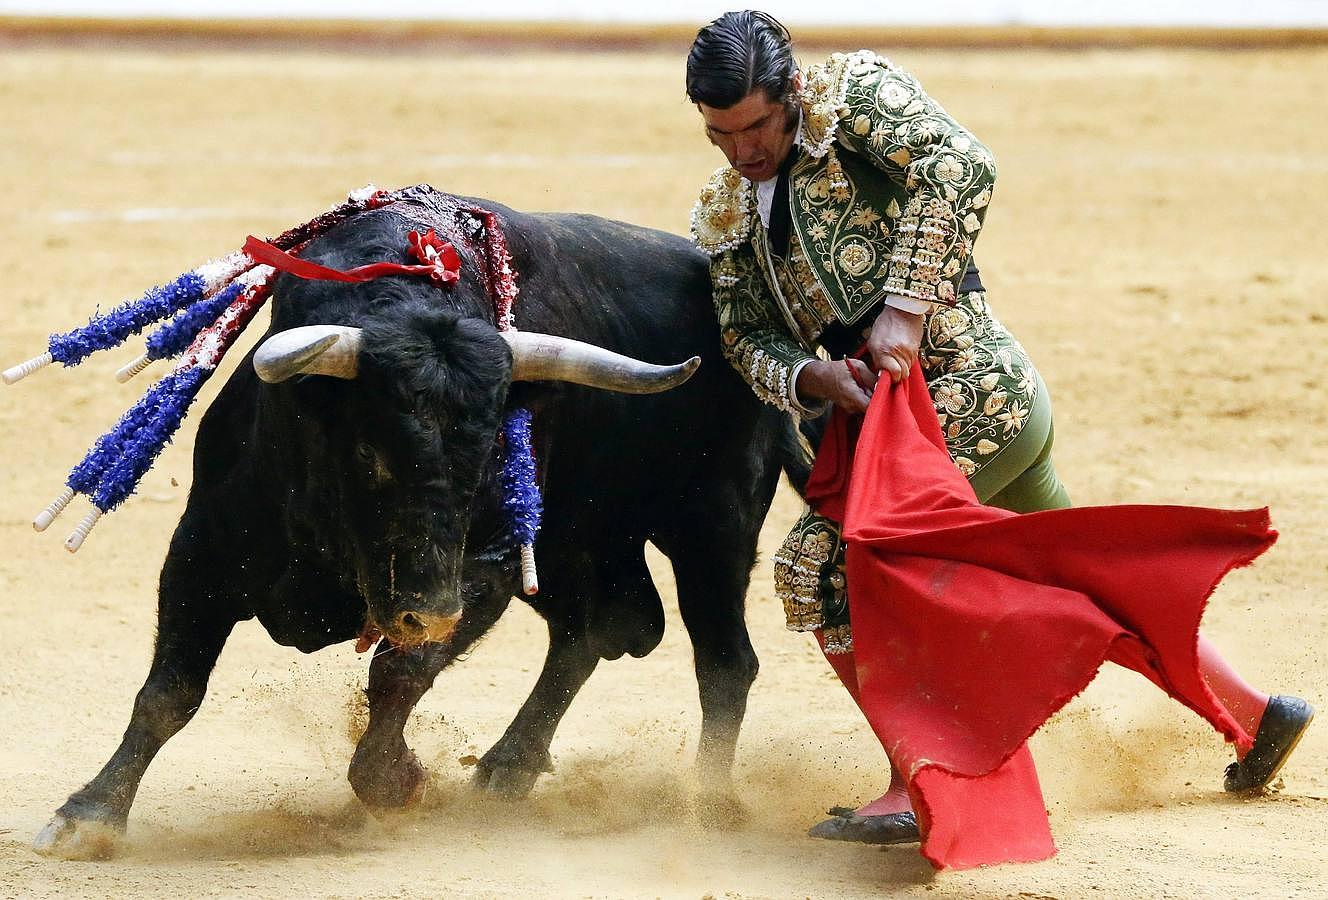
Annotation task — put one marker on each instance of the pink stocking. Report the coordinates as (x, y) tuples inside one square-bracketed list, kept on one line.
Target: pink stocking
[(895, 799), (1245, 704)]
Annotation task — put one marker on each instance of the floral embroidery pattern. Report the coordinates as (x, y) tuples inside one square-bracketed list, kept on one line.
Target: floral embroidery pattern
[(994, 388), (896, 212), (856, 258), (947, 175), (921, 218), (981, 381), (822, 101), (806, 298)]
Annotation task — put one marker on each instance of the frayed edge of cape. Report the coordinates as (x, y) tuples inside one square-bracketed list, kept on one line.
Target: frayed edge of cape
[(1231, 734)]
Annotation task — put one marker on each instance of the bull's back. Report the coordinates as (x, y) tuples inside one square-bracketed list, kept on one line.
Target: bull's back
[(614, 282), (644, 293)]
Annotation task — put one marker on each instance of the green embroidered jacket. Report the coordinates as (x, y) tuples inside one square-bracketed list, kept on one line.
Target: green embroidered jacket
[(887, 197)]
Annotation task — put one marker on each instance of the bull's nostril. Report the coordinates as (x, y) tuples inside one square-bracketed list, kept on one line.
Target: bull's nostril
[(411, 622)]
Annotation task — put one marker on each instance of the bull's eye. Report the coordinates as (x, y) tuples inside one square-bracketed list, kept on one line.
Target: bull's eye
[(364, 451)]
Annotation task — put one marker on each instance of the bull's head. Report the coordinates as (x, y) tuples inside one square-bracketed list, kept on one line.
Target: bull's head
[(415, 435)]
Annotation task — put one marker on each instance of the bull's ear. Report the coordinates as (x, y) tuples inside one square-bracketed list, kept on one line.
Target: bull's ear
[(547, 357), (309, 350)]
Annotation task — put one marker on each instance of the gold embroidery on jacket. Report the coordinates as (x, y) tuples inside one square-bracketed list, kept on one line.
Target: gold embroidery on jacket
[(983, 385), (806, 298), (981, 381), (898, 214), (753, 340)]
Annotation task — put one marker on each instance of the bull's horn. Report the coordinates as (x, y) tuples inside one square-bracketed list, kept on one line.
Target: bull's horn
[(309, 350), (546, 357)]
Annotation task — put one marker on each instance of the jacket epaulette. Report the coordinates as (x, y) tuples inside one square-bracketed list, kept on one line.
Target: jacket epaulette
[(722, 216), (824, 97)]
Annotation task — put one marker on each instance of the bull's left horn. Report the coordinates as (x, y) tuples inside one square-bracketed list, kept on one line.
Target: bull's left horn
[(309, 350), (547, 357)]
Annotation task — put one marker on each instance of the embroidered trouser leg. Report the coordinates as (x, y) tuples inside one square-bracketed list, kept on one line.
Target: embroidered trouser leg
[(809, 579), (1022, 477)]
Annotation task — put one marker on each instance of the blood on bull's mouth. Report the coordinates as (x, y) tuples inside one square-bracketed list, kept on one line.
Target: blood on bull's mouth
[(369, 636), (411, 629), (408, 621)]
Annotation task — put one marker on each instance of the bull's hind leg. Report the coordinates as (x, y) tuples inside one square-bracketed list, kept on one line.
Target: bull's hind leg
[(193, 624), (384, 772), (712, 546)]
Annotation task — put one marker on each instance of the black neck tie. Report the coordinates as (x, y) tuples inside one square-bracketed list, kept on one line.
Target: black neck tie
[(780, 220)]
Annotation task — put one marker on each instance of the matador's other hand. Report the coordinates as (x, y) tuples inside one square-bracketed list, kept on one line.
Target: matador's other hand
[(894, 341)]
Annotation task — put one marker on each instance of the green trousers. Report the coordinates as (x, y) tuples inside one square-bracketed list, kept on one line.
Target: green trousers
[(1022, 477)]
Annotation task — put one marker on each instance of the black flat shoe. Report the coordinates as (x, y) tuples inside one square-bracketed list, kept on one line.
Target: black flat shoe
[(1284, 722), (896, 828)]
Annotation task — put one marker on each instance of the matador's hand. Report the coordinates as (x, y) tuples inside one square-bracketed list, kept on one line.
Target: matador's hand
[(894, 341), (847, 383)]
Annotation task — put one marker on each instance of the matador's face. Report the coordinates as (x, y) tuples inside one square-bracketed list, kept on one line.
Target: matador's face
[(755, 134)]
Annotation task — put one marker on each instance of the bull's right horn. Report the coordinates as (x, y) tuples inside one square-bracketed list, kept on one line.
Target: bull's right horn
[(547, 357), (309, 350)]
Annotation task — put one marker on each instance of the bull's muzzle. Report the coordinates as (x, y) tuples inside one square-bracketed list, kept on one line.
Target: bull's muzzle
[(411, 628)]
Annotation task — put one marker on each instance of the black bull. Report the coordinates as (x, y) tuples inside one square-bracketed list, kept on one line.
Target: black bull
[(320, 504)]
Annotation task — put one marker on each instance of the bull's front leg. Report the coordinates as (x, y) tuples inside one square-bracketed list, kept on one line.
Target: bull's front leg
[(192, 628), (384, 772), (521, 755), (725, 669), (712, 585)]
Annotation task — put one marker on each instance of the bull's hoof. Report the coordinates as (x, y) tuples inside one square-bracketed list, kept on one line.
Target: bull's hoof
[(511, 767), (80, 839), (393, 784), (720, 810), (507, 782)]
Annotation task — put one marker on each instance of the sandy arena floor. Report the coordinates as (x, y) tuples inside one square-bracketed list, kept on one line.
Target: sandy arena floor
[(1156, 243)]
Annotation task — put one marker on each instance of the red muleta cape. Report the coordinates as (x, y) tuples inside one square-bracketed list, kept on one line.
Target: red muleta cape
[(972, 625)]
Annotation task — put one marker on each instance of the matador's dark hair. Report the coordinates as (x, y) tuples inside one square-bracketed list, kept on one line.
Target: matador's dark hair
[(737, 53)]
